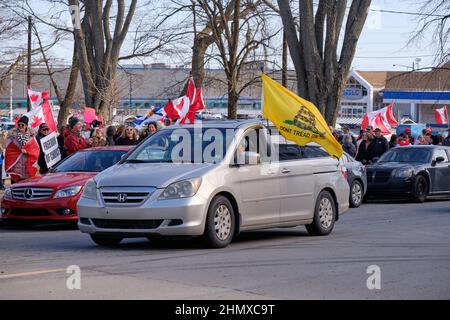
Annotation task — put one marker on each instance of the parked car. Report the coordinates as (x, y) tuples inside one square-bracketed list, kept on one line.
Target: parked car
[(54, 196), (357, 179), (220, 183), (414, 171)]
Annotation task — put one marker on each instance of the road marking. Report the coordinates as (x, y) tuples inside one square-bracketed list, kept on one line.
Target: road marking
[(33, 273)]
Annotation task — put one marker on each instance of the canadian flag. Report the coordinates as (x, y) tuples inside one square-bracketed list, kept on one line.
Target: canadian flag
[(42, 113), (196, 105), (185, 107), (383, 119), (442, 115), (36, 97)]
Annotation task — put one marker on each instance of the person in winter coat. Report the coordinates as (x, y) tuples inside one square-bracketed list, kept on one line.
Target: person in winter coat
[(151, 129), (44, 130), (22, 152), (364, 154), (348, 145), (129, 137), (120, 130), (394, 141), (379, 144), (99, 139), (74, 140), (110, 133)]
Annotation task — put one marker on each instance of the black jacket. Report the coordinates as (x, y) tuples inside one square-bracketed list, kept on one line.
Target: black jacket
[(379, 146), (126, 142), (364, 154), (41, 160)]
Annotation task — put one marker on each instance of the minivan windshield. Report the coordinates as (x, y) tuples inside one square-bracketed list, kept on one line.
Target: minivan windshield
[(183, 145), (407, 155)]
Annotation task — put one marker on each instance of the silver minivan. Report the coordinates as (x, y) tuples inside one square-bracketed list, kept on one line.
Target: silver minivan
[(213, 180)]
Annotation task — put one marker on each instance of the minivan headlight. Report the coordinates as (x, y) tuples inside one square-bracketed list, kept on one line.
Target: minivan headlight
[(181, 189), (67, 192), (90, 190)]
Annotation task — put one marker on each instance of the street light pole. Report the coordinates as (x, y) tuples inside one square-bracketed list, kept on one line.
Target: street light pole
[(11, 97), (131, 92), (30, 25)]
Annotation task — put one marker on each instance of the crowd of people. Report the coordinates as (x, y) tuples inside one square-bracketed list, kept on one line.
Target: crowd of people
[(371, 144), (23, 148)]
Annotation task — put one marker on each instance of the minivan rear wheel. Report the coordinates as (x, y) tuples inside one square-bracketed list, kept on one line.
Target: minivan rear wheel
[(324, 215), (106, 241), (220, 223)]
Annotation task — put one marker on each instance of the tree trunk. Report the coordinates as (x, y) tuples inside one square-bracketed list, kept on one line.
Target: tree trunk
[(198, 60), (70, 91), (233, 98)]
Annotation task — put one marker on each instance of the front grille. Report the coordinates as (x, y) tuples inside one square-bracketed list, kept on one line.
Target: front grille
[(126, 224), (379, 176), (29, 212), (30, 194), (125, 196)]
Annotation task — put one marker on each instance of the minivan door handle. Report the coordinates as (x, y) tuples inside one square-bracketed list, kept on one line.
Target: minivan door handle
[(285, 171)]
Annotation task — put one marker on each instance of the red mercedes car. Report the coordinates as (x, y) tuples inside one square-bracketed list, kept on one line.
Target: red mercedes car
[(54, 196)]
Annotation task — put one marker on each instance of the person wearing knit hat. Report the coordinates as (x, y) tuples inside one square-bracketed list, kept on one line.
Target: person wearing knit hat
[(74, 121), (74, 140), (23, 120), (22, 152)]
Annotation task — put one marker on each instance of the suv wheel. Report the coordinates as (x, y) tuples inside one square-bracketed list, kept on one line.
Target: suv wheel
[(356, 194), (219, 228), (420, 189), (324, 215), (106, 241)]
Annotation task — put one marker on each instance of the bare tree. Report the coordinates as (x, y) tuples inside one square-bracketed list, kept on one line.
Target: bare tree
[(98, 48), (237, 29), (435, 16), (321, 62)]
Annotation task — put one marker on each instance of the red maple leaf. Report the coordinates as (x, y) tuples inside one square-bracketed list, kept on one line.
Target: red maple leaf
[(36, 122), (34, 97)]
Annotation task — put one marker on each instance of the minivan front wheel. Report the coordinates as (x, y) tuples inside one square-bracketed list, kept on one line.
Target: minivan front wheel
[(324, 215), (220, 223)]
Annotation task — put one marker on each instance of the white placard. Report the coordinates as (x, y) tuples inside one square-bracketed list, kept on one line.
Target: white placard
[(50, 148)]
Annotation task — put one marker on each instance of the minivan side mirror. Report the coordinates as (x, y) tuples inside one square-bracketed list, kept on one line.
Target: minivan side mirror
[(440, 159), (252, 158)]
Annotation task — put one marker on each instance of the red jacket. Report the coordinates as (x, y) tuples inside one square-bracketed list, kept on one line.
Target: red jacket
[(73, 143)]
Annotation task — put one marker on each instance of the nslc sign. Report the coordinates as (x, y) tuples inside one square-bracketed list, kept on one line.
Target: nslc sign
[(353, 93)]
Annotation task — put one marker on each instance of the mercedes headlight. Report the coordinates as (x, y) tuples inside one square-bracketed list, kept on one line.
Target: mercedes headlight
[(181, 189), (8, 193), (404, 173), (90, 190), (67, 192)]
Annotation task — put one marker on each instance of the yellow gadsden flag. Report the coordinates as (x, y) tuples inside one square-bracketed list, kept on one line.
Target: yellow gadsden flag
[(297, 119)]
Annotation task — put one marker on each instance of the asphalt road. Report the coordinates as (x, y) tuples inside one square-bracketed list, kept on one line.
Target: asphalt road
[(410, 243)]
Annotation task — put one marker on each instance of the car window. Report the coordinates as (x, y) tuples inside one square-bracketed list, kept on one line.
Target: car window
[(90, 161), (290, 152), (254, 142), (314, 152), (440, 153)]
